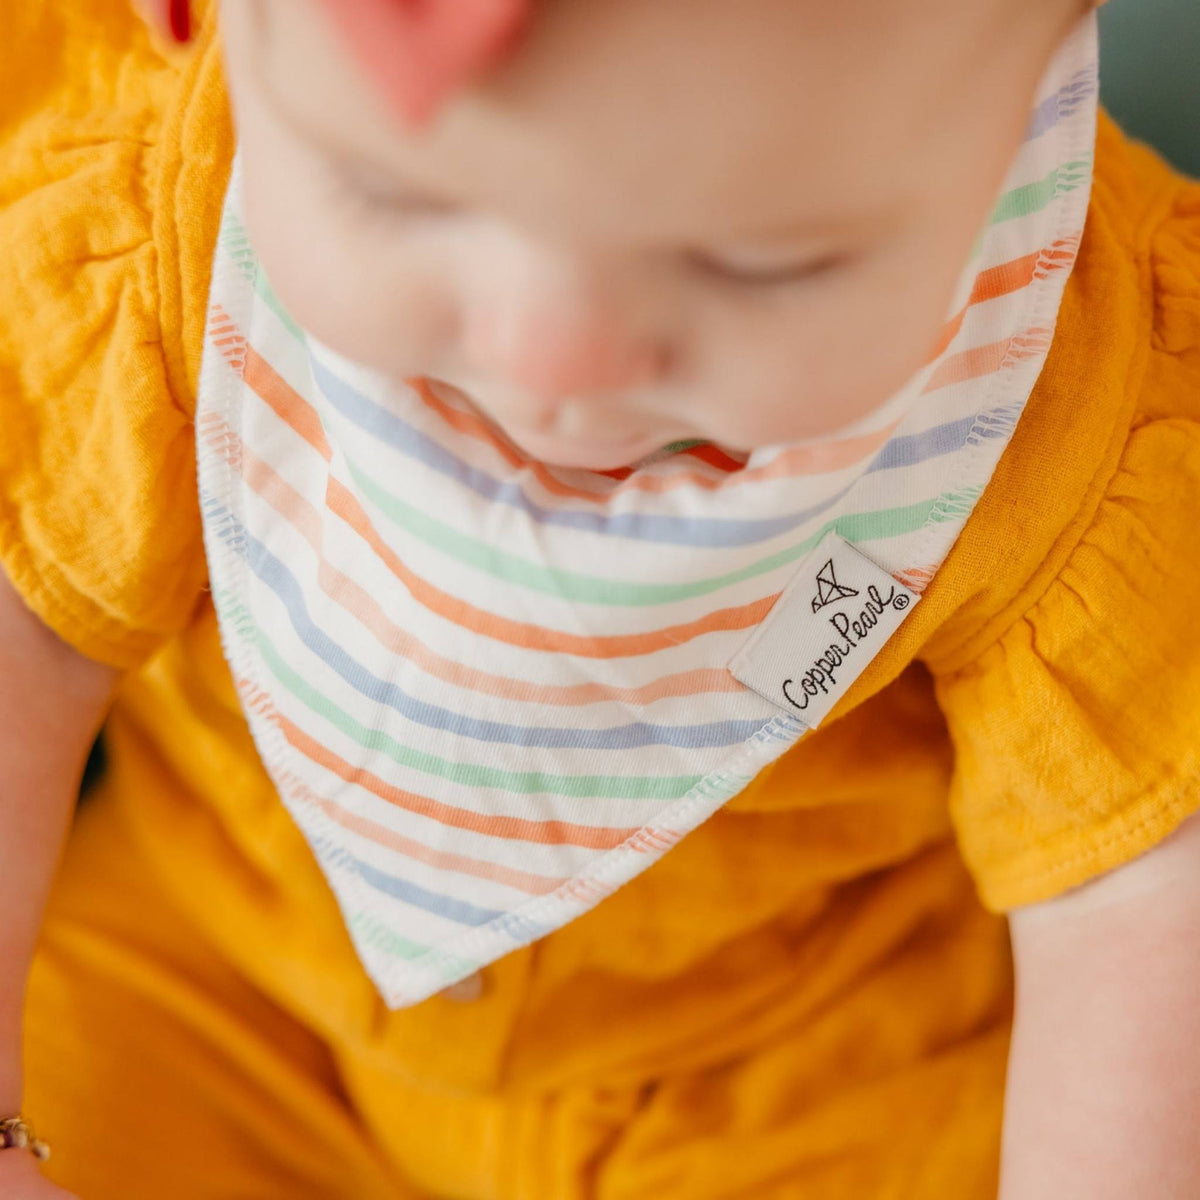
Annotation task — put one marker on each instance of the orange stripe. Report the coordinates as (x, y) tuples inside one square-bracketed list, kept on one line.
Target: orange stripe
[(1006, 278), (345, 504), (285, 401), (524, 881), (232, 347), (984, 360), (362, 605), (547, 833), (916, 578), (714, 456), (586, 890), (654, 841), (970, 364)]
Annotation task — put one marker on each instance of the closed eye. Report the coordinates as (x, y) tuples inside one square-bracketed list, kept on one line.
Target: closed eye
[(386, 198), (763, 269)]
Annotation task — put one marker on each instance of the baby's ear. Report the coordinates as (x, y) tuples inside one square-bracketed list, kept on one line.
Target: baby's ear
[(172, 18)]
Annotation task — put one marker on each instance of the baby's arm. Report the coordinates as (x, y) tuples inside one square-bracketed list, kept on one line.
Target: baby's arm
[(1104, 1074), (52, 701)]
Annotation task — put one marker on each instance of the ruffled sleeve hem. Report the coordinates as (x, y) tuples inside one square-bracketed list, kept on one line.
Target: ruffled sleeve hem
[(1077, 731), (110, 178)]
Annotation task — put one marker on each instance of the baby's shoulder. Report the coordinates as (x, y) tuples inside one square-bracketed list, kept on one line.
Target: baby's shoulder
[(112, 160), (1115, 413)]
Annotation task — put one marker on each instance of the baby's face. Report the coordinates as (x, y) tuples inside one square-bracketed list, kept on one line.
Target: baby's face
[(662, 220)]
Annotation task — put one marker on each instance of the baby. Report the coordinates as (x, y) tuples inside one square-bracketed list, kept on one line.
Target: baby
[(599, 532)]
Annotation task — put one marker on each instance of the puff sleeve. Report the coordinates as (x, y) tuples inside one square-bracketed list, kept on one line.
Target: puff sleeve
[(99, 525), (1077, 728)]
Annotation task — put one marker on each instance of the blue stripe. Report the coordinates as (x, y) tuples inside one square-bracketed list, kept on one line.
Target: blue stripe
[(1063, 104), (389, 428), (911, 449), (379, 691), (400, 889)]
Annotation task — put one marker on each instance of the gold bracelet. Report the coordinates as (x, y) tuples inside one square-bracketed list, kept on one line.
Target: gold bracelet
[(17, 1134)]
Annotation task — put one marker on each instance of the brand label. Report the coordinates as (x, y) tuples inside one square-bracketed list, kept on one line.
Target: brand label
[(833, 618)]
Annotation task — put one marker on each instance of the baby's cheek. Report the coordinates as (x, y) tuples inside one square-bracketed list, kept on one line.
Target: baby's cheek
[(894, 327), (826, 363), (346, 284)]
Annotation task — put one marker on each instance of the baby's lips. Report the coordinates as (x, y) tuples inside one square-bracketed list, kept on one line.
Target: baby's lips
[(421, 51)]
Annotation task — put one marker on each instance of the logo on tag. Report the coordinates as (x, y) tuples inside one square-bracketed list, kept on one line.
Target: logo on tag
[(837, 613), (828, 588)]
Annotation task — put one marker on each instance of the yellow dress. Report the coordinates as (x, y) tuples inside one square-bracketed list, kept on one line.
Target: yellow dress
[(808, 997)]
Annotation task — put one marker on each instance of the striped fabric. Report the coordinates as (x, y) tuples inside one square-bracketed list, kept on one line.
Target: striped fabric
[(490, 691)]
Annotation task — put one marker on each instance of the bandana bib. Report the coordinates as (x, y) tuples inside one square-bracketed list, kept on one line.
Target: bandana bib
[(490, 691)]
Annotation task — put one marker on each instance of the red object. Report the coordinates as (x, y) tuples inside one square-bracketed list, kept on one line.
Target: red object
[(421, 51), (180, 16)]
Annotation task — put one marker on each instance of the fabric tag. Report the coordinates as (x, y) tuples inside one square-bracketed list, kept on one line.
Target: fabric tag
[(828, 623)]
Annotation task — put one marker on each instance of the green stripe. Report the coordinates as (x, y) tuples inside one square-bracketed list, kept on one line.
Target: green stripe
[(615, 787), (235, 241), (596, 589), (267, 295), (1022, 201), (373, 933), (955, 506), (233, 613)]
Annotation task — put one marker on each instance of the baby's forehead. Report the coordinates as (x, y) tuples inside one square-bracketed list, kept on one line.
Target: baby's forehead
[(649, 119)]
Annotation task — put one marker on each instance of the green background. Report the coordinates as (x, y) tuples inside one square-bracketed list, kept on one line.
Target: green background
[(1150, 73)]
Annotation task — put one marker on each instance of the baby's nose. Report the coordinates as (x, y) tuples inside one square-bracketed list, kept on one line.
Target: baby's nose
[(550, 355)]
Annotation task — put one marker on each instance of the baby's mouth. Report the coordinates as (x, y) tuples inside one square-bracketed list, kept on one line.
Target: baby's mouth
[(591, 454), (560, 445)]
